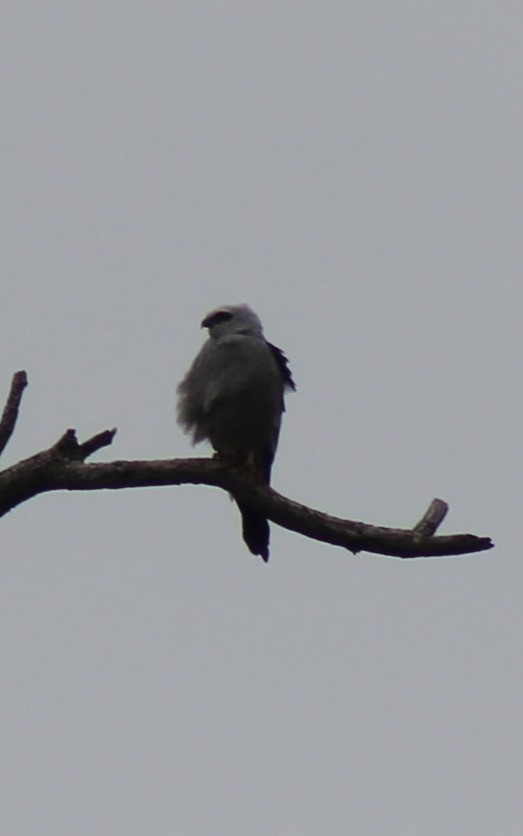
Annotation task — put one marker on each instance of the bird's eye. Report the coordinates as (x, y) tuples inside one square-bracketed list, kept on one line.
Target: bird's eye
[(222, 316), (216, 318)]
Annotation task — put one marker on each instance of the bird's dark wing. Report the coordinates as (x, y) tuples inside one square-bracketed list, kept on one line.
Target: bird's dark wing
[(283, 366)]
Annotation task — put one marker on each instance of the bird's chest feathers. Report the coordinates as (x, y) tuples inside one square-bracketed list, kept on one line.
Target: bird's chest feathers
[(244, 375)]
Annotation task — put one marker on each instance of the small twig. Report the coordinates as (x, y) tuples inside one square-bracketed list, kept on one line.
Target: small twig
[(10, 413), (95, 443), (431, 519), (67, 447)]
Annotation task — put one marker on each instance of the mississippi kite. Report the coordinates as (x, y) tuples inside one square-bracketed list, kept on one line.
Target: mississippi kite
[(233, 396)]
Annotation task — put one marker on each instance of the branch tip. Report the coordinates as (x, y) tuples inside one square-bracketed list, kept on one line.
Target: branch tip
[(10, 413), (20, 378), (103, 439), (431, 519)]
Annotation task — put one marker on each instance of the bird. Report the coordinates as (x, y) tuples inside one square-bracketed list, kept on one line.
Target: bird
[(233, 396)]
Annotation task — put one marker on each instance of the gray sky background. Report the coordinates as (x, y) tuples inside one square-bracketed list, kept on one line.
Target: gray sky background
[(354, 172)]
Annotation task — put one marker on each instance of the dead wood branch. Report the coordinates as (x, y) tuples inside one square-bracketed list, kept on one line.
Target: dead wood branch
[(62, 467), (10, 413)]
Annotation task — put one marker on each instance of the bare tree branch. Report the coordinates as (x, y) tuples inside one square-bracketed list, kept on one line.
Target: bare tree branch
[(62, 467), (10, 413)]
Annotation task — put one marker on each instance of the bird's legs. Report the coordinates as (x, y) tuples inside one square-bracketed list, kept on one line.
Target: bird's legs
[(247, 464)]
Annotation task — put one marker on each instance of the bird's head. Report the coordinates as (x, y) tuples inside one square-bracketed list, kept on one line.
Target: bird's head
[(232, 319)]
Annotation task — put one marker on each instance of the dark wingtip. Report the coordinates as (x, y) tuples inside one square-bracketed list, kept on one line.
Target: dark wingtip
[(283, 366)]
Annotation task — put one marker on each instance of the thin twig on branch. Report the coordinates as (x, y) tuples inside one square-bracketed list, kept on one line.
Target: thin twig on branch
[(10, 413), (431, 519), (62, 467)]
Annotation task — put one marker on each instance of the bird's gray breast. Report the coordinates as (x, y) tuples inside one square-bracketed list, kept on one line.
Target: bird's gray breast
[(243, 395)]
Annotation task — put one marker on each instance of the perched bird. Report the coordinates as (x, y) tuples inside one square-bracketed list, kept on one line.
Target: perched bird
[(233, 396)]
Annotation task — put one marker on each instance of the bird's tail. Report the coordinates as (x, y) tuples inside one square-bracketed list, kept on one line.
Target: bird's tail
[(256, 532)]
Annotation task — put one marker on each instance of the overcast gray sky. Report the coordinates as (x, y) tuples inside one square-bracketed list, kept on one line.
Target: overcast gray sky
[(353, 171)]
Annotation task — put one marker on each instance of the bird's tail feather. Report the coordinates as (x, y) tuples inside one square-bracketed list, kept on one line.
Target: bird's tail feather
[(256, 532)]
